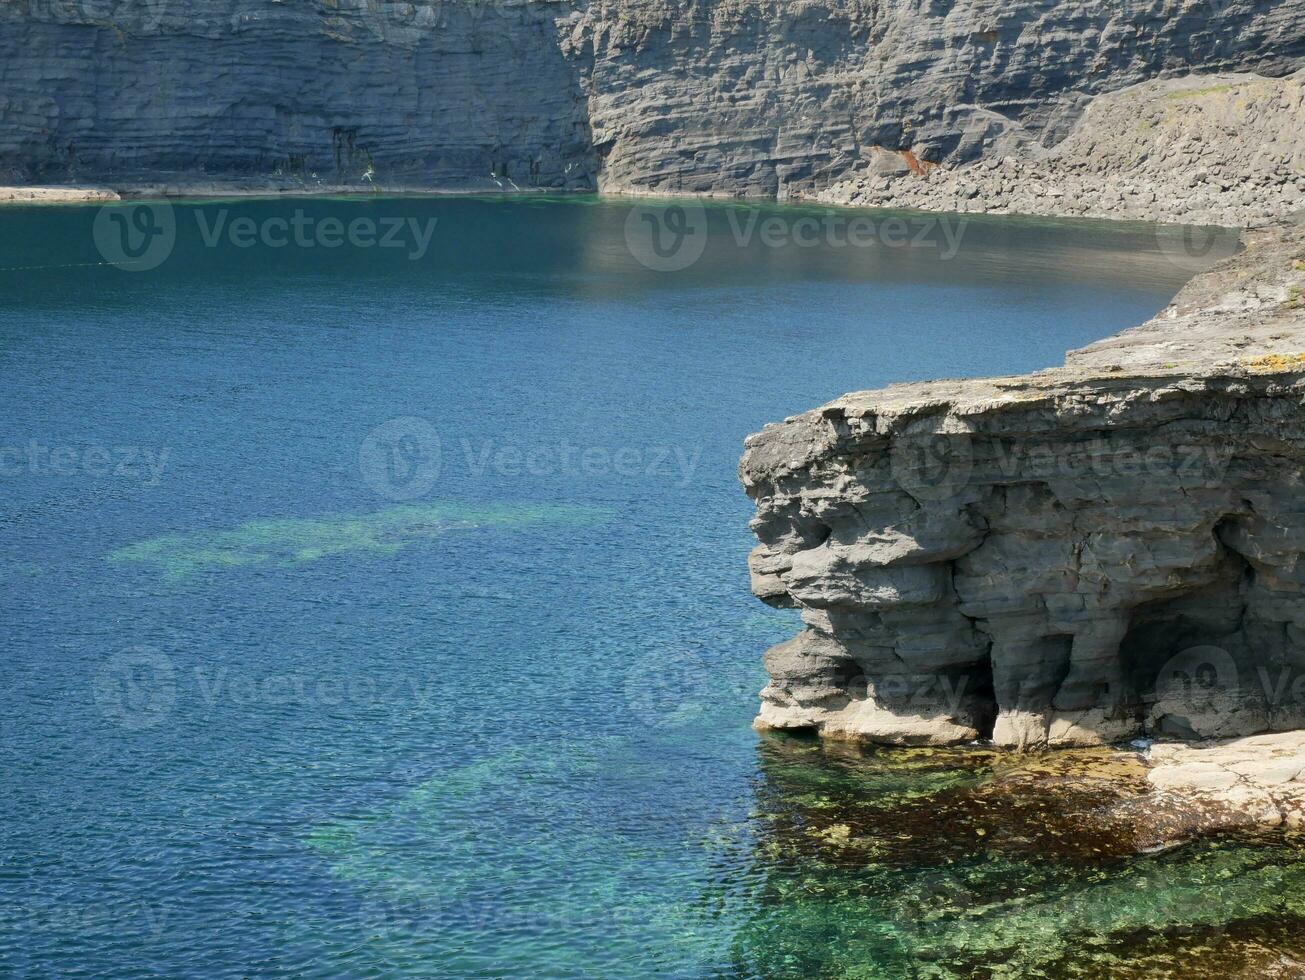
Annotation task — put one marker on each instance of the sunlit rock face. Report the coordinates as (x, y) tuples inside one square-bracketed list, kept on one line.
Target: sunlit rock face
[(1100, 551), (757, 97)]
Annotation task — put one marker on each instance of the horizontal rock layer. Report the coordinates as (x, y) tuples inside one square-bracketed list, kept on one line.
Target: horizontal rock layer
[(1204, 149), (1100, 551), (763, 97)]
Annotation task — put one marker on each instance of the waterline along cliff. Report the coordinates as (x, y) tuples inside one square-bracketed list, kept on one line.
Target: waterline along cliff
[(765, 98), (1101, 551)]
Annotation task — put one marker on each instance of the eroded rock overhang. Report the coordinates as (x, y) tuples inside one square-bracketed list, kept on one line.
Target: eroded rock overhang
[(1100, 551)]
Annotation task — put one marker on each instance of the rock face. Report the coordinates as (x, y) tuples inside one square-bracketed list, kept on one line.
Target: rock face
[(455, 94), (760, 97), (1205, 149), (1100, 551)]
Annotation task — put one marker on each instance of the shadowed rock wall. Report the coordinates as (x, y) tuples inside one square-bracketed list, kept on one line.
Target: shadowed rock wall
[(757, 97), (451, 94)]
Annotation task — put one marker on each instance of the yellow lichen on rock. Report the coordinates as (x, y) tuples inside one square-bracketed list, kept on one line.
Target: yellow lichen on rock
[(1276, 363)]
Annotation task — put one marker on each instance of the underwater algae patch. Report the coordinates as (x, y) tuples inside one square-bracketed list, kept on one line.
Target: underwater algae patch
[(477, 869), (295, 540), (878, 863)]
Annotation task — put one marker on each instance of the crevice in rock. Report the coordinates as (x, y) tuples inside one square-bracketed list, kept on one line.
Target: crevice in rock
[(1210, 613), (985, 697), (984, 692), (1058, 657)]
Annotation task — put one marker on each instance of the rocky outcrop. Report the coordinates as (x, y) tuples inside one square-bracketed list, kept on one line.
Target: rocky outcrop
[(757, 97), (1096, 552), (1255, 783), (1204, 149)]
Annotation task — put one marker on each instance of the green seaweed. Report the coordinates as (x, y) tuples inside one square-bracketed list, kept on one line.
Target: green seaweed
[(294, 541)]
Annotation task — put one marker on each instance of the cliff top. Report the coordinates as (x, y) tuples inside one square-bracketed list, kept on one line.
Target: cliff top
[(1245, 316)]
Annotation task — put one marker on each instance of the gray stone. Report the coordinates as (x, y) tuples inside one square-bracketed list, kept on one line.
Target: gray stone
[(1096, 552), (1199, 149), (733, 97)]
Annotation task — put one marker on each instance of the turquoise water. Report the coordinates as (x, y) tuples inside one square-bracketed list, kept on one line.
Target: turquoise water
[(369, 613)]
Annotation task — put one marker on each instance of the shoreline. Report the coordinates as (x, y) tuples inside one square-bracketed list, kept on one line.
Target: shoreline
[(59, 195), (1140, 798), (106, 193), (1163, 794)]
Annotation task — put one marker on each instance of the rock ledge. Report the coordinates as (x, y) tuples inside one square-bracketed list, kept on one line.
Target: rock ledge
[(1098, 552)]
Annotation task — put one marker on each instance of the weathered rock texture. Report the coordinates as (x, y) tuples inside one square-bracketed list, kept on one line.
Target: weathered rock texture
[(1255, 783), (1205, 149), (459, 94), (762, 97), (1099, 551)]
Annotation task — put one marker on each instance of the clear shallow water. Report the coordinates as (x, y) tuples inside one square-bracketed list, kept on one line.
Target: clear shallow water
[(376, 615)]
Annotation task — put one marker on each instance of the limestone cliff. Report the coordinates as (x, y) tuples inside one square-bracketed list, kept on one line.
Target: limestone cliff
[(1203, 149), (1094, 552), (763, 97), (458, 94)]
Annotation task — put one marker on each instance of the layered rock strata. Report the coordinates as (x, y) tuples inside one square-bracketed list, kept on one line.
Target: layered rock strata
[(1205, 149), (1105, 550), (739, 97)]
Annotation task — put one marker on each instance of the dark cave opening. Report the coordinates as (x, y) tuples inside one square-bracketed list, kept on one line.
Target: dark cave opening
[(984, 693), (1165, 633)]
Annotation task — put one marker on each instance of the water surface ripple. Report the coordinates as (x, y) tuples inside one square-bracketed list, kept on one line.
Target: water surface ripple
[(374, 614)]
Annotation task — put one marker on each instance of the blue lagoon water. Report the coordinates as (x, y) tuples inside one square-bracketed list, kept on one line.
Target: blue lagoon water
[(375, 613)]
